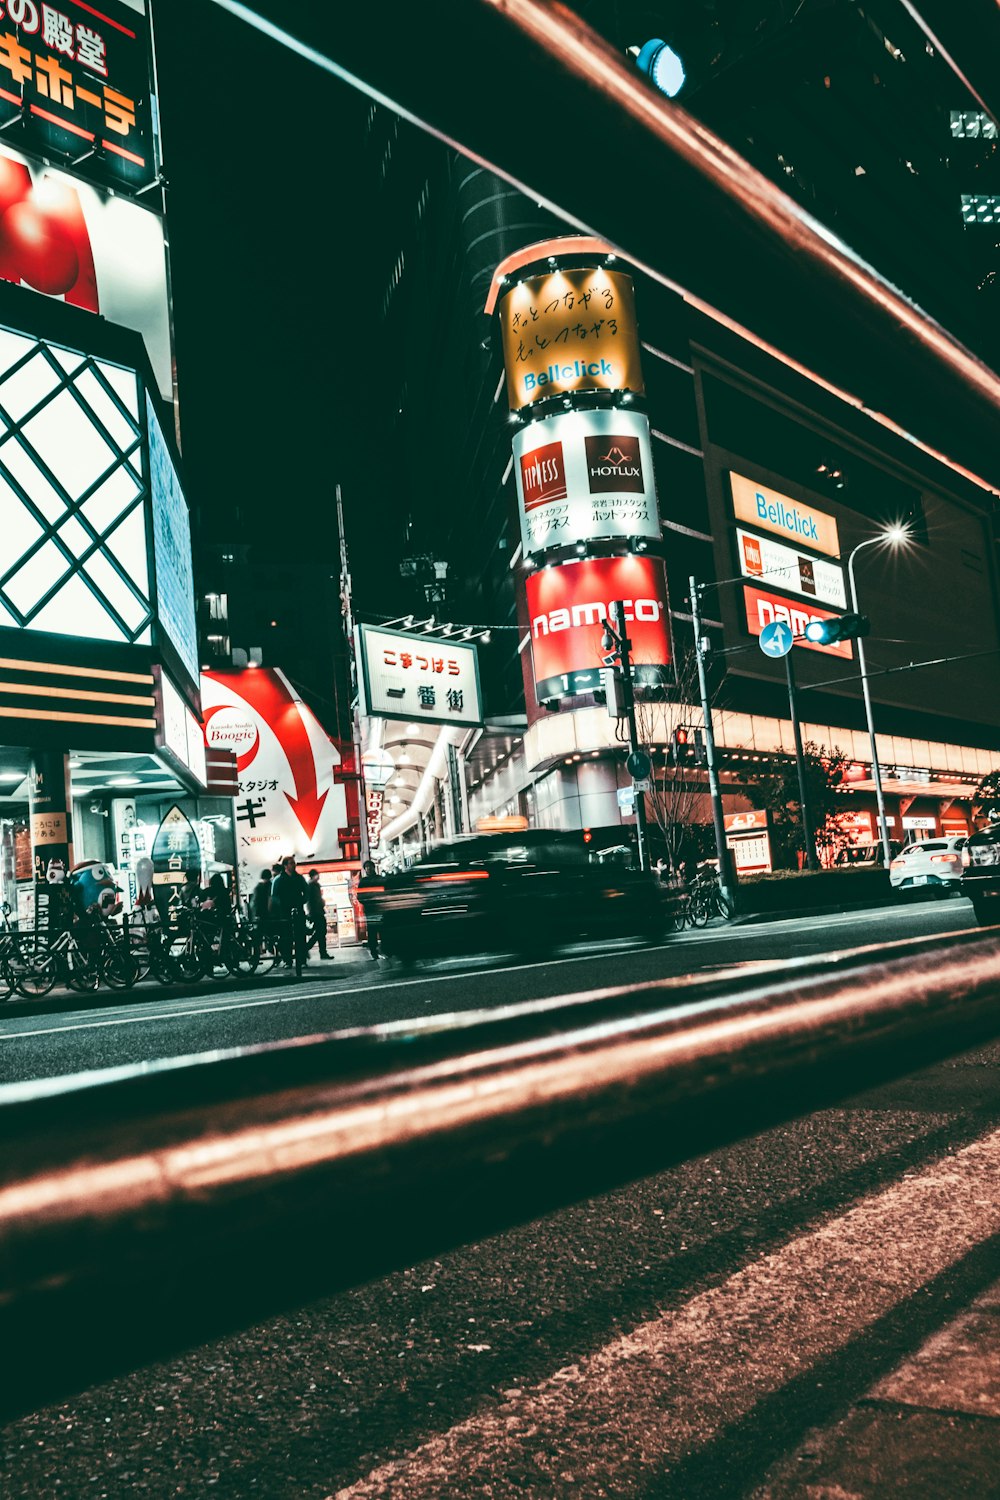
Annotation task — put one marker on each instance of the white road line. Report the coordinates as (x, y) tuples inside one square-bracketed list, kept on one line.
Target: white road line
[(132, 1017), (614, 1421)]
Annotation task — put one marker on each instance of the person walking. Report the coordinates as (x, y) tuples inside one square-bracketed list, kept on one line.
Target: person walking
[(260, 899), (317, 915), (369, 877), (290, 895)]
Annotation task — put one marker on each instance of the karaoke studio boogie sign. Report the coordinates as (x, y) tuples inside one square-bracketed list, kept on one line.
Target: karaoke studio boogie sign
[(585, 475), (566, 606)]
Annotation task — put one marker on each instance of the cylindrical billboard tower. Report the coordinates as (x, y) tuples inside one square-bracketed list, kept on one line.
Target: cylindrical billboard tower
[(583, 467)]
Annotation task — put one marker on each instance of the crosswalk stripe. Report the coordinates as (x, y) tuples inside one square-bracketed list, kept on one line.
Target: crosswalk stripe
[(637, 1407)]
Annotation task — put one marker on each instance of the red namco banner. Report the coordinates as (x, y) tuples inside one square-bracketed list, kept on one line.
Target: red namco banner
[(566, 606), (763, 609)]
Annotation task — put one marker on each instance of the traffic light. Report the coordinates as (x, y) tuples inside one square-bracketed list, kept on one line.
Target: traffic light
[(840, 628), (682, 746)]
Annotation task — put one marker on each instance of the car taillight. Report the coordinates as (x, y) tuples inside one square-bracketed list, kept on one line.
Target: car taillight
[(943, 859), (897, 864), (966, 857), (453, 875)]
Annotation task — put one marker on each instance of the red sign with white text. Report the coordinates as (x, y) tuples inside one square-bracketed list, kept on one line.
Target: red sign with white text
[(745, 822), (566, 606), (763, 609)]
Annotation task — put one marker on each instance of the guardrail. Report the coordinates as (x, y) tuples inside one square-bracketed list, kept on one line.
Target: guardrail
[(145, 1210)]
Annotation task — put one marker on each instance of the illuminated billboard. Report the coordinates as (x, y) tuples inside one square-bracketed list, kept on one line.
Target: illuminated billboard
[(172, 550), (91, 249), (75, 82), (571, 330), (583, 475), (792, 520), (792, 571), (419, 677), (764, 608), (566, 606)]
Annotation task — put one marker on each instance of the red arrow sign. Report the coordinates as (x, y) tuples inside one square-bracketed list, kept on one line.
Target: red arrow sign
[(269, 696)]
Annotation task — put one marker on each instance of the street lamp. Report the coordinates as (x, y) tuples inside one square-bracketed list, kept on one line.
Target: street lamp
[(892, 536)]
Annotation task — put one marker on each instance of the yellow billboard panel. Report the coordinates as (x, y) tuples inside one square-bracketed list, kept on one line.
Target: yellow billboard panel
[(571, 330), (795, 520)]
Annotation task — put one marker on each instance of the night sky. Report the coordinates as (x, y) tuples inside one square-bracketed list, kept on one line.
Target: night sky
[(263, 210)]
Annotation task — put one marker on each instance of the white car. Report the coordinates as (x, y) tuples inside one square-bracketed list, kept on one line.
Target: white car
[(933, 862)]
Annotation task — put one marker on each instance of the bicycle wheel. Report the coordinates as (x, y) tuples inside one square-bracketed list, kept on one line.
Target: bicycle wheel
[(8, 978), (119, 968), (186, 960), (723, 907), (83, 973), (698, 910), (241, 952), (36, 975)]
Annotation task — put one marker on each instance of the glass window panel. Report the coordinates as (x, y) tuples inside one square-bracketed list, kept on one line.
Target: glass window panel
[(145, 637), (75, 611), (68, 358), (15, 458), (29, 385), (76, 536), (115, 590), (6, 618), (66, 439), (123, 383), (32, 581), (18, 528), (12, 348), (128, 544), (107, 412), (116, 494)]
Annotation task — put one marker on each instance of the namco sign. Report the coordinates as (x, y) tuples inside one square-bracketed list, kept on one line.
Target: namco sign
[(763, 609), (566, 606)]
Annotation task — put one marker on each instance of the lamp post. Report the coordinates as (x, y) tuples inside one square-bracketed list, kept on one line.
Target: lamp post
[(893, 537)]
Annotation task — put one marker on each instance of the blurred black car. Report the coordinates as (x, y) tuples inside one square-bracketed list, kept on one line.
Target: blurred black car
[(522, 892), (981, 874)]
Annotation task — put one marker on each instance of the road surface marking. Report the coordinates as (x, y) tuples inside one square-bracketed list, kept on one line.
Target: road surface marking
[(687, 939), (619, 1418)]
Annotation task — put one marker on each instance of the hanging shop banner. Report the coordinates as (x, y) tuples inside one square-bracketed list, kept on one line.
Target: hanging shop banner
[(784, 568), (584, 475), (289, 800), (566, 606), (572, 330), (75, 83), (792, 520), (763, 609), (406, 675), (92, 249)]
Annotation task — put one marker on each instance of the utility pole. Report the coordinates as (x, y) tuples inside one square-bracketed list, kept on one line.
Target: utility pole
[(812, 863), (618, 647), (726, 880)]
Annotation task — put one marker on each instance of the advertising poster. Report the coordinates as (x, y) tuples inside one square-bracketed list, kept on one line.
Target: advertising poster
[(572, 330), (566, 606), (172, 549), (288, 800), (584, 475), (74, 76), (791, 520), (785, 568), (763, 609), (421, 677), (95, 250)]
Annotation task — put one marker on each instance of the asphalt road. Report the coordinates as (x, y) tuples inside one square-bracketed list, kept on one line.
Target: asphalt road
[(75, 1033), (812, 1313)]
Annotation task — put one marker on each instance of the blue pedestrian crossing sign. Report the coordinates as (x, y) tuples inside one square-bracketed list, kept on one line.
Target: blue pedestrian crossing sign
[(776, 639)]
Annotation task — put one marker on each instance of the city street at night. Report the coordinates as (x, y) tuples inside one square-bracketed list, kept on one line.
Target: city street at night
[(500, 750)]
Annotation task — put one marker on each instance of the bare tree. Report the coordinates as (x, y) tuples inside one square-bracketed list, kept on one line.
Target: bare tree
[(676, 793)]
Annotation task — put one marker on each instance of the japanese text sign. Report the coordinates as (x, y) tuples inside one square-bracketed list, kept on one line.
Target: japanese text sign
[(566, 606), (77, 77), (572, 330), (763, 609), (790, 570), (419, 677), (745, 822), (583, 475), (792, 520)]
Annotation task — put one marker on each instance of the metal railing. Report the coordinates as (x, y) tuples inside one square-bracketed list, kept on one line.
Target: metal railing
[(148, 1209)]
